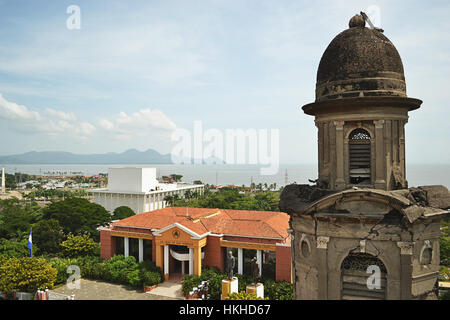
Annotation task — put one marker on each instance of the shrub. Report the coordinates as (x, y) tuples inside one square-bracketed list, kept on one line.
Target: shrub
[(445, 295), (14, 249), (242, 296), (76, 246), (278, 290), (61, 266), (272, 290), (92, 267), (26, 274), (149, 278), (150, 266), (118, 267), (189, 282), (215, 278), (243, 281), (134, 279)]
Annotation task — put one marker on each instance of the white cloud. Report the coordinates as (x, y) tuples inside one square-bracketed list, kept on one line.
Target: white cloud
[(13, 111), (146, 127), (52, 122), (60, 114), (144, 122)]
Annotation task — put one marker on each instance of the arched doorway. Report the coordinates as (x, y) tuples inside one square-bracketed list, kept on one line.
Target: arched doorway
[(359, 157), (357, 275)]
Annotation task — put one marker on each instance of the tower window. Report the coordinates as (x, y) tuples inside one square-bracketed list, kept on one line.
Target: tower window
[(359, 152)]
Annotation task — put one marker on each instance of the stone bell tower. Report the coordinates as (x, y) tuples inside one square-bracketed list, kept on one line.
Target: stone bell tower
[(359, 233), (360, 110)]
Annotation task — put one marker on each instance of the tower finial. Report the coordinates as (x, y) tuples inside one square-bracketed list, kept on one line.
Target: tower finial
[(357, 21)]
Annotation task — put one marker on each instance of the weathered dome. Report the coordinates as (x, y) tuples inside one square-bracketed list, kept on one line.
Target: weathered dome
[(360, 62)]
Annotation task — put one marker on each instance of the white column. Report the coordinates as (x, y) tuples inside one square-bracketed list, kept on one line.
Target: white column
[(259, 261), (240, 261), (182, 267), (141, 250), (3, 181), (126, 246), (191, 261), (166, 259)]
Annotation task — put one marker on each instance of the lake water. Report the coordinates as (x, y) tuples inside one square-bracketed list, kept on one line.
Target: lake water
[(236, 174)]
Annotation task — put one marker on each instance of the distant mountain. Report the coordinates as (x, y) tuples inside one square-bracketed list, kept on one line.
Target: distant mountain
[(131, 156)]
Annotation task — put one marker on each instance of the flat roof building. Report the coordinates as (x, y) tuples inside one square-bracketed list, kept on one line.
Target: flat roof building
[(139, 189)]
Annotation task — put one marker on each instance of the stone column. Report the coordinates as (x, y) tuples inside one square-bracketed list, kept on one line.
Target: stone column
[(141, 250), (380, 182), (240, 261), (322, 246), (406, 251), (340, 162), (126, 246)]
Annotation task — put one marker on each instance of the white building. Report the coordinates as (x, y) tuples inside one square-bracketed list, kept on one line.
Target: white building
[(138, 189)]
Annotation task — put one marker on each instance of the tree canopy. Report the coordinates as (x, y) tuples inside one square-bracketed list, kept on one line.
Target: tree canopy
[(122, 212), (77, 215), (231, 198)]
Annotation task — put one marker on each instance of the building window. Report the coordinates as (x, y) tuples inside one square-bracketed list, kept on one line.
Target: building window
[(356, 269), (359, 153)]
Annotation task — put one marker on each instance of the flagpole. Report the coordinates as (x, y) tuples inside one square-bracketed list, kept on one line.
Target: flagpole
[(30, 243)]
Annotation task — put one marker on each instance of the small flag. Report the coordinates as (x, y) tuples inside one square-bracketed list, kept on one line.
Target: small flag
[(30, 244)]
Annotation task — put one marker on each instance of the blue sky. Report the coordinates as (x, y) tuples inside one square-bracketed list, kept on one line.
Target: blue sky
[(136, 70)]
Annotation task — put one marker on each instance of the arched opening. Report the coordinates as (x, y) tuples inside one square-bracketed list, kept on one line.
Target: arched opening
[(363, 276), (359, 154)]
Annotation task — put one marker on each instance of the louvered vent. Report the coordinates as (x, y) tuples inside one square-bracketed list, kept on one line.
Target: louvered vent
[(359, 151)]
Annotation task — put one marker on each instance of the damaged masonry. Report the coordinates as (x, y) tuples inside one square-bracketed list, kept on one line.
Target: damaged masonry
[(336, 237), (361, 215)]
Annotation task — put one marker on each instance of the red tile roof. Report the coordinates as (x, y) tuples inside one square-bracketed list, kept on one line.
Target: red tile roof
[(257, 224)]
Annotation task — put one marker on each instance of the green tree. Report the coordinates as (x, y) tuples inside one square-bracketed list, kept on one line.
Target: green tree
[(14, 248), (176, 177), (16, 217), (47, 234), (77, 215), (76, 246), (122, 212), (26, 274)]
